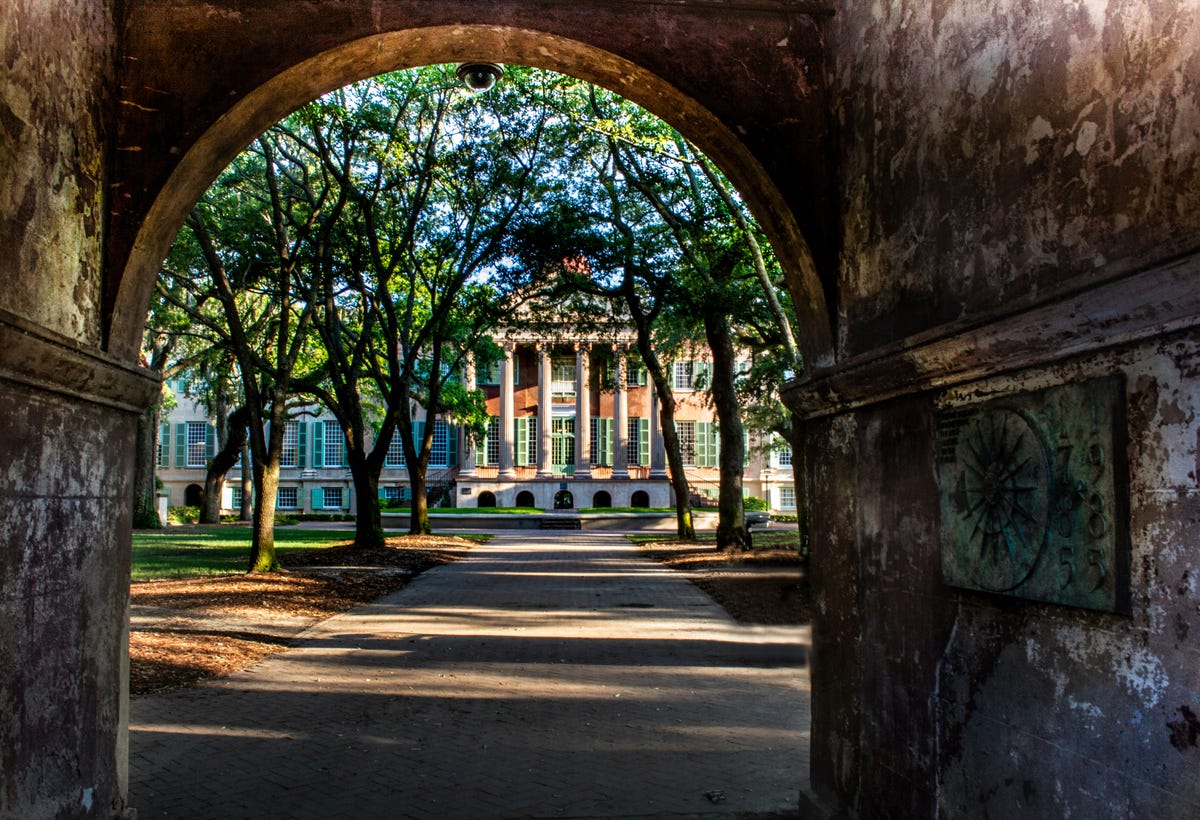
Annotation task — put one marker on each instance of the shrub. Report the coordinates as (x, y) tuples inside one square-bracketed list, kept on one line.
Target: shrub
[(754, 503), (183, 515)]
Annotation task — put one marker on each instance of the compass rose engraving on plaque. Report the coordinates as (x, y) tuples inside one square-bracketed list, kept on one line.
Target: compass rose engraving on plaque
[(1000, 497), (1034, 495)]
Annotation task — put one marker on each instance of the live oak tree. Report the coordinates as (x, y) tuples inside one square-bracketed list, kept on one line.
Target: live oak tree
[(234, 272), (435, 179)]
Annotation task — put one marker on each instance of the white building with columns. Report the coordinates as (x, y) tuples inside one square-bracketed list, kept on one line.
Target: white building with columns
[(574, 421)]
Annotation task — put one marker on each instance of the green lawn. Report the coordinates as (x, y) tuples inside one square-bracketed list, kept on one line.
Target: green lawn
[(779, 539), (184, 552), (670, 510), (468, 510)]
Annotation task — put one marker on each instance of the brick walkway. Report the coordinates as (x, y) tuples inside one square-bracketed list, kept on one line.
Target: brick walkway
[(549, 675)]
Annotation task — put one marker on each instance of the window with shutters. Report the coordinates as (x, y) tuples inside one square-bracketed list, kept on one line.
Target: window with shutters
[(684, 375), (600, 444), (332, 498), (291, 444), (334, 445), (439, 453), (286, 500), (197, 437), (687, 441), (394, 496), (787, 497), (633, 449), (562, 453), (235, 498)]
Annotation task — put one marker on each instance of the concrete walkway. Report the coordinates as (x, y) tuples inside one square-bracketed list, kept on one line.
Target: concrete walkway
[(548, 675)]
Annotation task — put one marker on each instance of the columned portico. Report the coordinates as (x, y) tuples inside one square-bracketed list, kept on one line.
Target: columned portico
[(620, 416), (467, 445), (545, 466), (658, 453), (583, 411), (506, 413)]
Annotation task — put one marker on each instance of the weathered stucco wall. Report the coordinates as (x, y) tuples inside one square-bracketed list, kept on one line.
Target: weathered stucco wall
[(996, 151), (973, 704), (1001, 162), (66, 426), (54, 101)]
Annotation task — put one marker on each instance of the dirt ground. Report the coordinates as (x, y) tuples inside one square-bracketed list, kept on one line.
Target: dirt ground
[(186, 631)]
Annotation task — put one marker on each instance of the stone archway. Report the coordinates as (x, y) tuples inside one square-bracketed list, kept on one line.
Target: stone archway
[(229, 104)]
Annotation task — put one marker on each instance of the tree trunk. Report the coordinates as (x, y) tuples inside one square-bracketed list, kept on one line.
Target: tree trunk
[(262, 549), (231, 433), (145, 490), (731, 513), (419, 519), (246, 513), (368, 525)]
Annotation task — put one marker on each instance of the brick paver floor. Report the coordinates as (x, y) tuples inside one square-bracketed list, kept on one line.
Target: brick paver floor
[(548, 675)]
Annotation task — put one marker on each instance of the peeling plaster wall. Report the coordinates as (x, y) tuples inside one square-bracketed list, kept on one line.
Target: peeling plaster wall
[(998, 157), (934, 701), (64, 459), (994, 151), (57, 69)]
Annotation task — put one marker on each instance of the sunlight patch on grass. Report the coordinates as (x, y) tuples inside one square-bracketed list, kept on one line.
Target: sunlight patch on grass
[(188, 552)]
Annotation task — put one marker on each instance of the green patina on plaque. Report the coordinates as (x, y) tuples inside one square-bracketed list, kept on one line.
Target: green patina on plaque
[(1034, 497)]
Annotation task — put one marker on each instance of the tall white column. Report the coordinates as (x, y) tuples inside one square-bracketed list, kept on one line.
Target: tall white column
[(545, 433), (620, 417), (583, 411), (658, 451), (506, 413), (466, 446)]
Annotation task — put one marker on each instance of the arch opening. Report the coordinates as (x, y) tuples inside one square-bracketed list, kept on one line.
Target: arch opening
[(305, 81), (487, 498), (602, 499), (640, 498)]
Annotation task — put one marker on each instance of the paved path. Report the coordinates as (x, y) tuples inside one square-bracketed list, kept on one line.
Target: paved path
[(548, 675)]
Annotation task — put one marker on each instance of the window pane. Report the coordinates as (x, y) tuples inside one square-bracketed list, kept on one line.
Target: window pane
[(333, 444), (332, 498), (683, 375), (291, 441), (287, 498), (687, 442), (634, 448), (395, 452), (785, 456), (787, 498), (493, 441), (196, 432), (439, 452), (562, 377)]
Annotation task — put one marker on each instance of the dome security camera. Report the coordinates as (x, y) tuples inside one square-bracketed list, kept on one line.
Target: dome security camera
[(479, 77)]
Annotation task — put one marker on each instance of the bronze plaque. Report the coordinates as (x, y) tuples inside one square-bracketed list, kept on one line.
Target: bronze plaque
[(1034, 495)]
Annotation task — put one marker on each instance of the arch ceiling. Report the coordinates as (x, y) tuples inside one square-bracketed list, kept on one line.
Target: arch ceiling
[(198, 81)]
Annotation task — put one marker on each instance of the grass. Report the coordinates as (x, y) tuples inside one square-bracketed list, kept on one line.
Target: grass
[(188, 552), (628, 510), (468, 510)]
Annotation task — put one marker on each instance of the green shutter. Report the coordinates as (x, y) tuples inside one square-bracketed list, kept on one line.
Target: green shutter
[(522, 443), (451, 445), (644, 442), (318, 498), (702, 374), (181, 444), (345, 452), (516, 369), (607, 442), (318, 459), (164, 445), (418, 435), (346, 497), (302, 444), (745, 447), (703, 455), (210, 441)]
